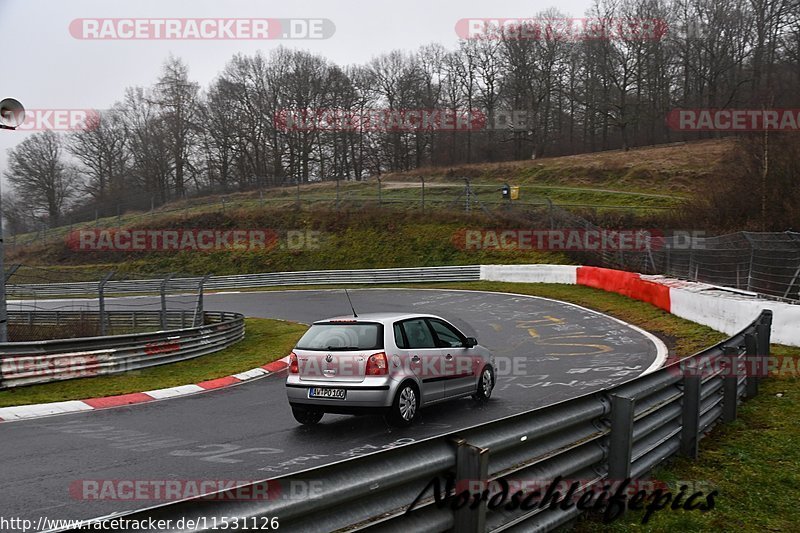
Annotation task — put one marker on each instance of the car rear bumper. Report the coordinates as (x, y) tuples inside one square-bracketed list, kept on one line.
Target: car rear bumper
[(365, 396)]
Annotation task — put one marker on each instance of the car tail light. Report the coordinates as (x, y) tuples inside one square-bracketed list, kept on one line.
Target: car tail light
[(294, 368), (377, 364)]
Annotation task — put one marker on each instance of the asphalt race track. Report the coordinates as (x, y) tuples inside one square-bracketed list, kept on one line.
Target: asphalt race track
[(548, 351)]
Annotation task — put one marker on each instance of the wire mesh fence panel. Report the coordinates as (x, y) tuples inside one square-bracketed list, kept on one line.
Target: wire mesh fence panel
[(89, 302), (774, 263), (764, 263)]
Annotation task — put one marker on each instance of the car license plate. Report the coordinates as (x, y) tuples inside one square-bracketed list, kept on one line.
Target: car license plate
[(334, 394)]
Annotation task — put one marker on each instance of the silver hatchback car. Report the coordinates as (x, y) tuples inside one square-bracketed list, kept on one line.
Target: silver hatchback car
[(384, 362)]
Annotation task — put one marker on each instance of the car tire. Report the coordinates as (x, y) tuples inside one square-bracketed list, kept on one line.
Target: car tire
[(485, 385), (405, 406), (307, 416)]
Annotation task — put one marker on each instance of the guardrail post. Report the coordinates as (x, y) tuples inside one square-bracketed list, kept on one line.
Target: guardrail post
[(754, 365), (101, 302), (763, 332), (730, 384), (163, 290), (690, 422), (472, 464), (198, 310), (620, 444)]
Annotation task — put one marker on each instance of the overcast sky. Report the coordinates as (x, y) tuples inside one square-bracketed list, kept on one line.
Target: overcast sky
[(45, 67)]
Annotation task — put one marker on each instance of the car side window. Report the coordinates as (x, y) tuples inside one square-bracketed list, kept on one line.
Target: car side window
[(447, 335), (418, 334), (399, 339)]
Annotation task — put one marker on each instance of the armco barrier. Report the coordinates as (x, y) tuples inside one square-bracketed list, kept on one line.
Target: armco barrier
[(131, 320), (618, 433), (26, 363), (243, 281)]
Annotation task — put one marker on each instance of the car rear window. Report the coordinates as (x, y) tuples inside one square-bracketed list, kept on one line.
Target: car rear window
[(349, 336)]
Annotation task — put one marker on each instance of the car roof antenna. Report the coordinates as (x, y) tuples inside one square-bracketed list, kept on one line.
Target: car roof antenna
[(351, 303)]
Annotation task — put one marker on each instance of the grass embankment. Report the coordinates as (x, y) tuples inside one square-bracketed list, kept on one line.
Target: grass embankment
[(265, 341), (645, 182), (673, 169), (323, 239)]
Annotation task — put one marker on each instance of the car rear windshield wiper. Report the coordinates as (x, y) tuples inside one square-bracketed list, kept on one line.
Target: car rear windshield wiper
[(342, 348)]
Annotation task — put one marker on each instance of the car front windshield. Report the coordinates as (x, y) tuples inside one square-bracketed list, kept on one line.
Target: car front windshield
[(342, 337)]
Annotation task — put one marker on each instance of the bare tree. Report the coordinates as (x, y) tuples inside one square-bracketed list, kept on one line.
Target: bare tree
[(39, 176), (151, 165), (177, 98), (101, 149)]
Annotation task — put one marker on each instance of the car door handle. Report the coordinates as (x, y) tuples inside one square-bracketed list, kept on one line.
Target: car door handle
[(448, 357), (415, 359)]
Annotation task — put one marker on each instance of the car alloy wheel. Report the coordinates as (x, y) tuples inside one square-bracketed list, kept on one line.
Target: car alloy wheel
[(408, 403), (404, 407), (485, 385)]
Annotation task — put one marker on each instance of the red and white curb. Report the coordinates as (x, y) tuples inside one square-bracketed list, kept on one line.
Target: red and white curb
[(25, 412)]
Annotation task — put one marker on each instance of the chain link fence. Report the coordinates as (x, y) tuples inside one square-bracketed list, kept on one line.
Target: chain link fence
[(765, 263)]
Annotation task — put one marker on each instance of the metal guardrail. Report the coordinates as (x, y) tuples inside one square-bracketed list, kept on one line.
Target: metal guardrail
[(242, 281), (618, 433), (26, 363), (135, 320)]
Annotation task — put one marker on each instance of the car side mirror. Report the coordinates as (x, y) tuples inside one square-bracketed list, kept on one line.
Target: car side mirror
[(471, 342)]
